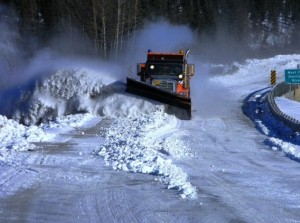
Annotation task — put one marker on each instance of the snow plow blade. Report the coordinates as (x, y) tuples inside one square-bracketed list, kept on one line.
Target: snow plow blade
[(179, 106)]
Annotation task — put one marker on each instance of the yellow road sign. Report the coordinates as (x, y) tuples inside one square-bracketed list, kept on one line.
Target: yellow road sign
[(273, 77)]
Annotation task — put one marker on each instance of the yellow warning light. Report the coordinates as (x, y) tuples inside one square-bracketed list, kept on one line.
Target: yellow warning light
[(181, 52)]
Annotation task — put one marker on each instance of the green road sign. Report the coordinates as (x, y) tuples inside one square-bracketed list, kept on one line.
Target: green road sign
[(292, 76)]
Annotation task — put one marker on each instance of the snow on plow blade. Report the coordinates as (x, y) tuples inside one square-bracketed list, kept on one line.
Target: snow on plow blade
[(179, 106)]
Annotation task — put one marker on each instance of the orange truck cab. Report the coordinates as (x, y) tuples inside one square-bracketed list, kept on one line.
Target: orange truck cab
[(168, 71)]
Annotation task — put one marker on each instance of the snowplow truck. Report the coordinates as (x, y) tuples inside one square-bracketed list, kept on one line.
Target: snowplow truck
[(165, 77)]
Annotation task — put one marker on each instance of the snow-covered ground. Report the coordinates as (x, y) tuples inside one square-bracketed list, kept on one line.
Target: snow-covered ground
[(219, 166)]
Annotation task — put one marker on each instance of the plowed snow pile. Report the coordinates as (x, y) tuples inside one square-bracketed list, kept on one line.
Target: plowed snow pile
[(72, 91), (16, 137), (147, 144)]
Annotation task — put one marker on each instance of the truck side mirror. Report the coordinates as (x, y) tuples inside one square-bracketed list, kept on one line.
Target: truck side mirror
[(190, 69)]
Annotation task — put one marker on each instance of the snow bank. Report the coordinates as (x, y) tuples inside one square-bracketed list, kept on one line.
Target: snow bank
[(291, 150), (138, 144), (279, 136), (16, 137), (72, 91), (255, 69)]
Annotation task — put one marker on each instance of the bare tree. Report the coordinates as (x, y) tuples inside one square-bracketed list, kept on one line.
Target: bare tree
[(95, 25), (104, 39)]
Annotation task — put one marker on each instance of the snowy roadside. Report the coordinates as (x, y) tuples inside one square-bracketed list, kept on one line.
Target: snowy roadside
[(145, 144), (256, 73), (15, 137), (280, 137), (290, 108)]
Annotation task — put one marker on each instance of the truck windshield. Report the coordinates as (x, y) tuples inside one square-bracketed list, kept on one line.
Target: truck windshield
[(173, 69)]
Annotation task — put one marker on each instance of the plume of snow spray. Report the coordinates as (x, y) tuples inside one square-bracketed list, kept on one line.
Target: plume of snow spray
[(161, 36)]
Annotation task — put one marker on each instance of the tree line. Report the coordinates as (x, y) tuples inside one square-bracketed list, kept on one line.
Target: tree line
[(111, 23)]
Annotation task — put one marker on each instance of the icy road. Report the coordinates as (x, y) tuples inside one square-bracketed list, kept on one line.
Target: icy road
[(134, 163)]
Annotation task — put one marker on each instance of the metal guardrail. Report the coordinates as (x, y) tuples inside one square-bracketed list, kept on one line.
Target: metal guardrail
[(279, 90)]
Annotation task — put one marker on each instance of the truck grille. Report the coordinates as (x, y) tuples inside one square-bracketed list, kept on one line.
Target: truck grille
[(167, 85)]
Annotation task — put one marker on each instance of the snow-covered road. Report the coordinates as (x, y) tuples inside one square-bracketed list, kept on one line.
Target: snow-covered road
[(139, 164)]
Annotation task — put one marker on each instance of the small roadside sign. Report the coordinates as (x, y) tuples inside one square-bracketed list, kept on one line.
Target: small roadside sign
[(273, 77), (292, 76)]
